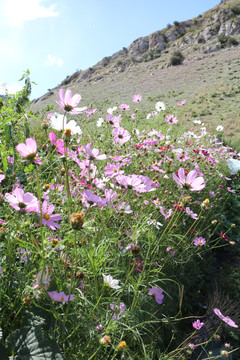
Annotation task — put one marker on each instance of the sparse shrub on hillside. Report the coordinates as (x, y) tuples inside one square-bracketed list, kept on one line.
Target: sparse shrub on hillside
[(176, 23), (236, 10), (119, 62), (176, 58), (227, 40), (201, 40)]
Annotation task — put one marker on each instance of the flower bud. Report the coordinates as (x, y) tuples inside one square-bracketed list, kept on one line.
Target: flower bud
[(67, 135), (121, 345), (45, 124), (105, 340)]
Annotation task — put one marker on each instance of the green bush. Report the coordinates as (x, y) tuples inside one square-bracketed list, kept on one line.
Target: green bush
[(176, 58), (236, 10)]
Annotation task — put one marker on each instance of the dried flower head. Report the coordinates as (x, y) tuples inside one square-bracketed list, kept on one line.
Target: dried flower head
[(77, 220)]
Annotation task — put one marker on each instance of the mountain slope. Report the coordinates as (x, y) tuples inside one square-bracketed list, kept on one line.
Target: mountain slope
[(208, 77)]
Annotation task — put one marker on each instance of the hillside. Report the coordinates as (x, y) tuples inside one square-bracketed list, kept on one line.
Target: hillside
[(208, 77)]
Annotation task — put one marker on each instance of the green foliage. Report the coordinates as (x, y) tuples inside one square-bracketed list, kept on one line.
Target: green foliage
[(227, 40), (236, 10), (176, 58)]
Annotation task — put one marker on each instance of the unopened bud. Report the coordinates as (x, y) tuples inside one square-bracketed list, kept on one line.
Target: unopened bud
[(67, 135), (45, 124), (105, 340), (121, 345)]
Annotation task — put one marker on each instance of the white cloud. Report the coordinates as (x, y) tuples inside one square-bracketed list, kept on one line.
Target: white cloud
[(10, 89), (53, 60), (19, 11)]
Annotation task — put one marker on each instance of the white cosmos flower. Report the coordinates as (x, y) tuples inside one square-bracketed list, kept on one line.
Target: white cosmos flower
[(159, 106), (148, 116), (56, 121), (75, 129), (99, 122), (111, 110), (111, 282), (197, 122), (219, 128)]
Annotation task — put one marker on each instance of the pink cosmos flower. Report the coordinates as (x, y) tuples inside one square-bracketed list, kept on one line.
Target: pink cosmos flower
[(47, 217), (199, 241), (166, 215), (226, 319), (60, 297), (112, 170), (90, 199), (90, 112), (191, 213), (191, 181), (124, 107), (137, 98), (157, 293), (171, 119), (69, 103), (93, 154), (182, 102), (22, 202), (59, 144), (28, 150), (197, 324), (2, 176), (113, 120), (133, 116), (121, 135)]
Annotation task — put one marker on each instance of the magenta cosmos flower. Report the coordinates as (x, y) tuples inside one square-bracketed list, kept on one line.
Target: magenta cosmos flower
[(157, 293), (69, 103), (47, 217), (191, 181), (28, 150), (137, 98), (60, 297), (121, 135), (226, 319), (22, 202), (197, 324)]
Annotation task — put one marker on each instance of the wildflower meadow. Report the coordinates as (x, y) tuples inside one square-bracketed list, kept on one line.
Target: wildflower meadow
[(117, 232)]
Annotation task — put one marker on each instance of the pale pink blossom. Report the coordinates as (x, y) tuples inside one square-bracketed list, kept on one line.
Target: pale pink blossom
[(121, 135), (137, 98), (197, 324), (60, 297), (2, 176), (20, 201), (191, 181), (226, 319), (124, 107), (47, 217), (69, 103), (157, 293), (28, 150), (171, 119), (182, 102)]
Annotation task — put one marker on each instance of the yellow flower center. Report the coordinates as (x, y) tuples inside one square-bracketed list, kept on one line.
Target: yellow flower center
[(46, 216)]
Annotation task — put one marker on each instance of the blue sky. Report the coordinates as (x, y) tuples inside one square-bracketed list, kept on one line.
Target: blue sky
[(54, 38)]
